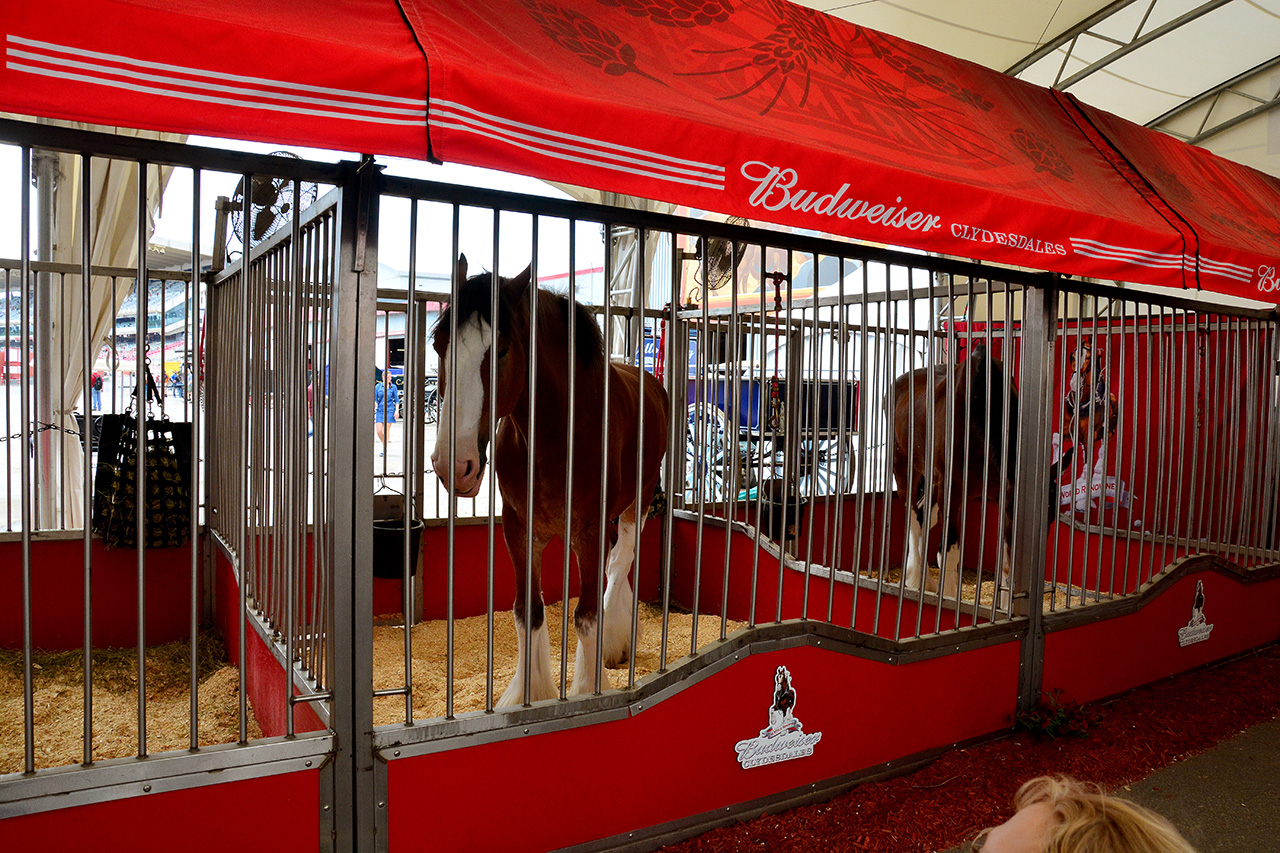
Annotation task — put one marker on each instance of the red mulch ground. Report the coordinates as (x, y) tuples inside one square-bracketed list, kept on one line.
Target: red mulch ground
[(948, 801)]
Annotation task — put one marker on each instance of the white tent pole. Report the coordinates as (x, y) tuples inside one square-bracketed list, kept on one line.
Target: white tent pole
[(46, 484)]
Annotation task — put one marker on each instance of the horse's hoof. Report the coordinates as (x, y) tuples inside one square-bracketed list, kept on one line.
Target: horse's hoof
[(617, 660)]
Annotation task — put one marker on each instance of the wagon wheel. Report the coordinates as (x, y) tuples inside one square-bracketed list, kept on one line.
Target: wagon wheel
[(432, 400), (821, 463), (706, 460)]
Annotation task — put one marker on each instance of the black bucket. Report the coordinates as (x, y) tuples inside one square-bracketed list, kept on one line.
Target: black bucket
[(388, 547), (777, 524)]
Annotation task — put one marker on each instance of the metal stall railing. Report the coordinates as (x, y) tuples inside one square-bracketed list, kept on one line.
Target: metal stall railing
[(860, 442), (104, 189), (777, 388), (1170, 404), (74, 397)]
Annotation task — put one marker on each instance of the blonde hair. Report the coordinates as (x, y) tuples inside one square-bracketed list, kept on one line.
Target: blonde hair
[(1087, 820)]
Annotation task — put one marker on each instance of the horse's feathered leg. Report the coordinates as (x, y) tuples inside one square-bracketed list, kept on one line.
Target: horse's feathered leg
[(586, 538), (919, 526), (533, 643), (619, 600)]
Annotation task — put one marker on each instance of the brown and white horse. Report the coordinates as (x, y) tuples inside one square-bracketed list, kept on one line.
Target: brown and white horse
[(982, 433), (545, 424)]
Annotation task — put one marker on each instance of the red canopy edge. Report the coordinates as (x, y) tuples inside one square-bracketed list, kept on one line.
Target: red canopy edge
[(757, 108), (344, 75)]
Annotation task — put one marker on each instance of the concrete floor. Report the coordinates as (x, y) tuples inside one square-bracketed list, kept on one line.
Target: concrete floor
[(1225, 800)]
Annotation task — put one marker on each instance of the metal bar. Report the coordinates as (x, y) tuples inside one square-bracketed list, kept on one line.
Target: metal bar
[(413, 335), (192, 327), (1005, 575), (140, 463), (843, 483), (948, 462), (1039, 325), (910, 487), (762, 423), (243, 494), (809, 425), (351, 637), (24, 432), (929, 444), (885, 357), (1121, 447), (733, 390), (451, 397), (1138, 42), (700, 458), (1148, 408), (532, 438), (571, 374), (1179, 490), (491, 538), (673, 379), (86, 354), (641, 512), (609, 261)]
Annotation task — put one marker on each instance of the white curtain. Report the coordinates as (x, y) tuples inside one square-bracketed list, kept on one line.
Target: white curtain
[(113, 240)]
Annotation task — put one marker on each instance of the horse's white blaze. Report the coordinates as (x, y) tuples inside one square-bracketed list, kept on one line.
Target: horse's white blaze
[(584, 662), (474, 337), (542, 684), (619, 601)]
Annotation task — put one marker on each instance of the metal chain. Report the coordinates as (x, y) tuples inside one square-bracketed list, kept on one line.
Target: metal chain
[(44, 427)]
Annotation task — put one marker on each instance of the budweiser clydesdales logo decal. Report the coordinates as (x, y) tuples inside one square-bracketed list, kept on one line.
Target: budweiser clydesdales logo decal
[(1198, 629), (784, 738), (777, 187)]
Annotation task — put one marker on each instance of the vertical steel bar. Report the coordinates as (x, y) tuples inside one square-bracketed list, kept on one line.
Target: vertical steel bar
[(835, 538), (948, 457), (193, 472), (491, 522), (86, 355), (675, 379), (571, 391), (1008, 357), (140, 463), (929, 445), (609, 261), (530, 557), (732, 387), (24, 435), (451, 396), (637, 347), (794, 386), (412, 408), (886, 352), (762, 423), (909, 497), (699, 458), (1121, 445)]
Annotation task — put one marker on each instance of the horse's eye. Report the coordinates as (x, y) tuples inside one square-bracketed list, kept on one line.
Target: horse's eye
[(502, 353)]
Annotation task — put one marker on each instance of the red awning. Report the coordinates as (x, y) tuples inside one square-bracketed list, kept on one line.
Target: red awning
[(345, 75), (759, 108)]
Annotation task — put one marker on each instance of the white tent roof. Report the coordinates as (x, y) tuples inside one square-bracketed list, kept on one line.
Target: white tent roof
[(1205, 72)]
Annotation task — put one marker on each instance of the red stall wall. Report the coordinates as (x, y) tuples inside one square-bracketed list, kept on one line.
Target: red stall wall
[(677, 759), (1107, 657), (57, 594), (264, 677), (206, 819)]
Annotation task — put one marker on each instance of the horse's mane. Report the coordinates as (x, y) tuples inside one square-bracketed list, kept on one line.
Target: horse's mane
[(980, 394), (475, 297), (589, 341)]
